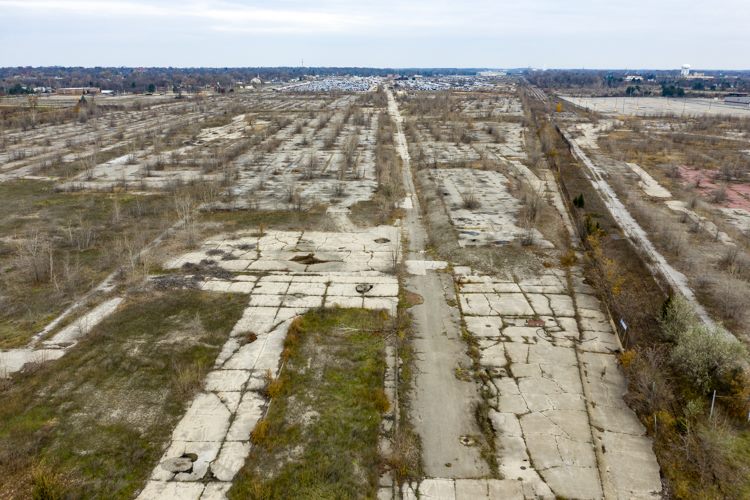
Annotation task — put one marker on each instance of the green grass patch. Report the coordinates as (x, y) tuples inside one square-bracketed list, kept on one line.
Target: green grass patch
[(405, 461), (377, 211), (93, 424), (320, 437), (234, 220)]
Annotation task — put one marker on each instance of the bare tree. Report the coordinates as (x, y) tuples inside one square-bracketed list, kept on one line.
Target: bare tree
[(311, 165), (186, 209), (35, 256)]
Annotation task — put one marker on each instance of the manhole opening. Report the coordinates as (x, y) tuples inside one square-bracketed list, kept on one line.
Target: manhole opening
[(467, 440), (382, 240), (363, 288), (307, 259)]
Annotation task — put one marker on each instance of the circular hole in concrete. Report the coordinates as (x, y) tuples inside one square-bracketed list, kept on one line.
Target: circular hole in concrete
[(467, 441), (363, 288), (382, 240)]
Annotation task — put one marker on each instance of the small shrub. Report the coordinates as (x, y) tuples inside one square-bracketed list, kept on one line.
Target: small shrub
[(592, 227), (677, 316), (381, 400), (626, 358), (189, 379), (404, 461), (706, 356), (46, 485), (568, 258), (471, 202), (275, 387), (260, 433), (578, 201), (719, 195)]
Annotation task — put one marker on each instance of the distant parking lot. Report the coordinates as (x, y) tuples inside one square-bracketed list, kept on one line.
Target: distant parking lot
[(656, 106)]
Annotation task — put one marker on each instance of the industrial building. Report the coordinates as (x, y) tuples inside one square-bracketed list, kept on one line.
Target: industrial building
[(78, 90)]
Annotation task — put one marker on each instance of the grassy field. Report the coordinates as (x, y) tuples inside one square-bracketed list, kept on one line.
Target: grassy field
[(320, 436), (94, 423), (56, 246)]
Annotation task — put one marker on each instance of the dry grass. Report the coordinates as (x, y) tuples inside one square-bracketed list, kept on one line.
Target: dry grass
[(61, 244)]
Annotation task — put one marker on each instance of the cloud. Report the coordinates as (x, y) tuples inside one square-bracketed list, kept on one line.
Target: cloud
[(224, 16), (415, 17), (444, 32)]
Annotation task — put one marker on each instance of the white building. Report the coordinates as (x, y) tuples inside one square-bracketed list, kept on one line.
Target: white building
[(685, 71)]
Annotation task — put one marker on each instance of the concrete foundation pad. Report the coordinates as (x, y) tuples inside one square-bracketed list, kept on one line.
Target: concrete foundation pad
[(13, 360), (207, 419), (437, 489), (71, 333), (632, 466), (248, 413), (420, 267), (226, 380), (230, 461), (216, 491), (160, 490), (574, 482), (510, 304), (484, 326)]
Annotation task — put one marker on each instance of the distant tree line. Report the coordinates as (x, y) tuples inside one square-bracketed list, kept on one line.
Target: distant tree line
[(17, 89), (672, 91), (615, 82), (124, 79)]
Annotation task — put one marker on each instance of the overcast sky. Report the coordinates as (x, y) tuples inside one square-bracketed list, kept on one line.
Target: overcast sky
[(380, 33)]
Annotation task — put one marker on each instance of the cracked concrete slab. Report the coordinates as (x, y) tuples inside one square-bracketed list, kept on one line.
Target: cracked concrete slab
[(556, 394), (13, 360), (490, 216), (420, 267), (217, 425)]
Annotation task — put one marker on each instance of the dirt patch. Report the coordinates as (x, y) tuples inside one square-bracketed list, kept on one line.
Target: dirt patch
[(206, 268), (412, 299), (728, 195)]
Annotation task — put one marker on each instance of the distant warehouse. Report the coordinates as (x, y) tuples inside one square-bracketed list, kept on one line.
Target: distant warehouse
[(78, 90), (743, 99)]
